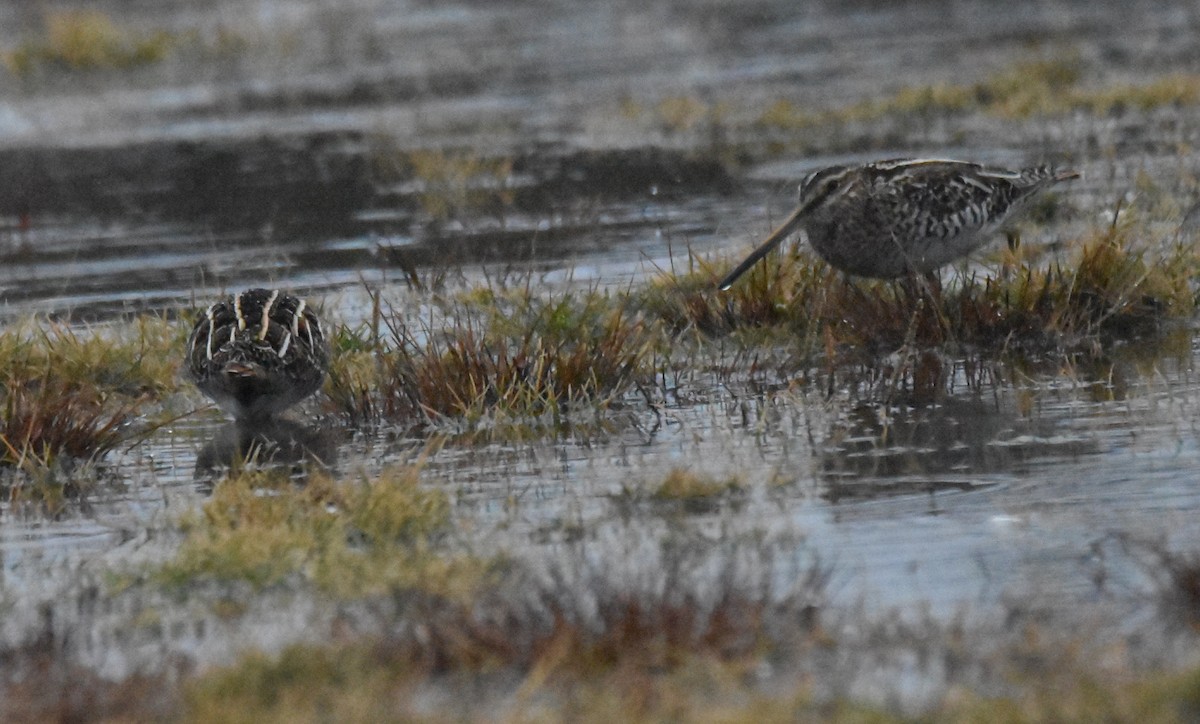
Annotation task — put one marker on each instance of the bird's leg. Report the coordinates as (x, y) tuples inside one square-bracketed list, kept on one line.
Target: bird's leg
[(933, 283), (926, 309), (917, 292), (1014, 242), (854, 289), (920, 285), (908, 289)]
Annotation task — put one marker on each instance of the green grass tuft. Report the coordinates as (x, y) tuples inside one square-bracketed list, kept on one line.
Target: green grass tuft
[(347, 538), (684, 485)]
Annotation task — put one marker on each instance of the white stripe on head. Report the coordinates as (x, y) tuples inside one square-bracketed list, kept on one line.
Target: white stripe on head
[(296, 317), (1000, 173), (210, 314), (237, 311), (894, 164), (266, 314)]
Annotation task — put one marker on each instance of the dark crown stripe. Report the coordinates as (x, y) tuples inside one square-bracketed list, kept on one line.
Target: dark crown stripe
[(265, 323)]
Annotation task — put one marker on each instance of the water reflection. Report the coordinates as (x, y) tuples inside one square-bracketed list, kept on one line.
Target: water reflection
[(278, 444), (879, 450)]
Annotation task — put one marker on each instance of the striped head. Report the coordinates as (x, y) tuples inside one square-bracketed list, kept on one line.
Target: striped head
[(823, 184), (258, 353)]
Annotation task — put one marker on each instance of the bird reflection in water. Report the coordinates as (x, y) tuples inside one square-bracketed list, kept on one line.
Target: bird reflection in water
[(274, 444)]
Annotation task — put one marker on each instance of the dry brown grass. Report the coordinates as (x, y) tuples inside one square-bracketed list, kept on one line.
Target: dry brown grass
[(46, 419), (547, 635), (500, 358), (70, 396)]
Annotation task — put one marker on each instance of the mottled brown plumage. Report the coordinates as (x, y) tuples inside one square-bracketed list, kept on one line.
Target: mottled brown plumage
[(893, 218), (258, 353)]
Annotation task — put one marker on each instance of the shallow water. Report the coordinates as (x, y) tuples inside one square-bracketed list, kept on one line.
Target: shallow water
[(168, 191)]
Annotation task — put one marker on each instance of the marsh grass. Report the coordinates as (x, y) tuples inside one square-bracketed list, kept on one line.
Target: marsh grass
[(1046, 86), (782, 292), (686, 491), (51, 426), (138, 357), (508, 360), (80, 40), (1066, 688), (347, 538), (38, 685), (684, 114), (577, 646), (367, 681), (52, 417), (70, 396), (495, 357), (539, 637), (358, 370), (683, 484)]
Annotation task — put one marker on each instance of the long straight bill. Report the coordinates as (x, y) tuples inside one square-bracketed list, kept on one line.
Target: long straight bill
[(784, 230)]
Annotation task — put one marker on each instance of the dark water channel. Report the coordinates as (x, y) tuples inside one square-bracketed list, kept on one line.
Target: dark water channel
[(158, 196)]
